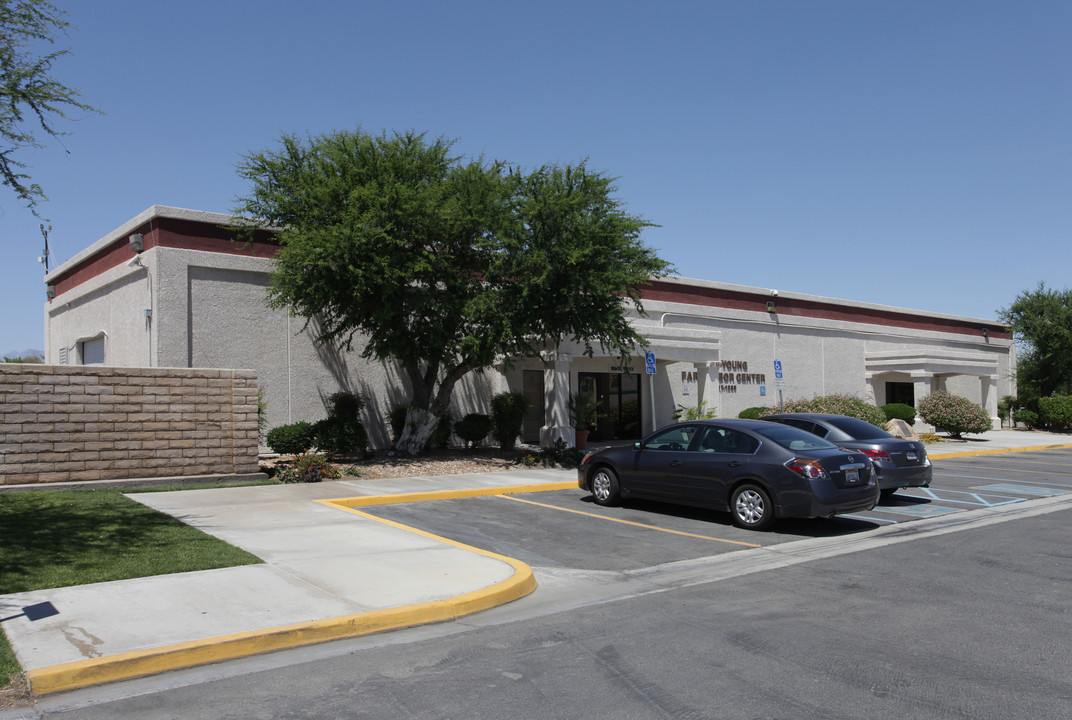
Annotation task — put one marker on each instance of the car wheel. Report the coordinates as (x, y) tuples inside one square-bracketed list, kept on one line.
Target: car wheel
[(751, 507), (605, 488)]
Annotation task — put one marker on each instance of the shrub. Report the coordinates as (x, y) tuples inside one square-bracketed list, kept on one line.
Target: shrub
[(1006, 406), (1056, 411), (900, 411), (307, 468), (836, 405), (753, 413), (441, 435), (559, 454), (342, 432), (1027, 417), (291, 439), (954, 414), (700, 412), (473, 428), (507, 417), (396, 418)]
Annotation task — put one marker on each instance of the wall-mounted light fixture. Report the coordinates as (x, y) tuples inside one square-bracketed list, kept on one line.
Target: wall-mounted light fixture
[(772, 307), (50, 291), (137, 242), (986, 332)]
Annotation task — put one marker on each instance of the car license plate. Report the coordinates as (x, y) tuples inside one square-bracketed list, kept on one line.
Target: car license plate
[(852, 476), (912, 457)]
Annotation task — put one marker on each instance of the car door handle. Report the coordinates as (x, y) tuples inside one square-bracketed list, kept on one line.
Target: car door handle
[(736, 463), (675, 463)]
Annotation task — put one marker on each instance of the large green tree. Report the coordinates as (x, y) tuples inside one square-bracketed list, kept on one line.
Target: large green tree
[(1041, 321), (443, 264), (29, 95)]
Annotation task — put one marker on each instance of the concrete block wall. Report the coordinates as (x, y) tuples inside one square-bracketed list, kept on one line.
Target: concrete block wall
[(62, 423)]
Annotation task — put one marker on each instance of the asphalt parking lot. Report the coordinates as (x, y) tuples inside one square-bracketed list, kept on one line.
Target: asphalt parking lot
[(564, 528)]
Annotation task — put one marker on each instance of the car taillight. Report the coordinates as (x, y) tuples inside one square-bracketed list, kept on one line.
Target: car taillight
[(874, 454), (809, 469)]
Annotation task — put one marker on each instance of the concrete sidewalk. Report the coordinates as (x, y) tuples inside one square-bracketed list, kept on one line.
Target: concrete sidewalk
[(330, 571)]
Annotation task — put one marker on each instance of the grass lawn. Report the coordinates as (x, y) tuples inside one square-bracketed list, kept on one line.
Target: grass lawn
[(57, 538)]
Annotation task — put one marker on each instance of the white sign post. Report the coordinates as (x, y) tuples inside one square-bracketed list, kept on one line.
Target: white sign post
[(779, 383), (649, 369)]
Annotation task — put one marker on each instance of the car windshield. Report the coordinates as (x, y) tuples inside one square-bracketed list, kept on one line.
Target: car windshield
[(793, 438), (858, 429)]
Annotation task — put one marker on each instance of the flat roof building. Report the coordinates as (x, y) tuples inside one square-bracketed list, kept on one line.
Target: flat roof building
[(194, 296)]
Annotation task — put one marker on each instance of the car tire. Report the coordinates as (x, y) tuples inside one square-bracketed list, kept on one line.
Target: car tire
[(751, 507), (605, 487)]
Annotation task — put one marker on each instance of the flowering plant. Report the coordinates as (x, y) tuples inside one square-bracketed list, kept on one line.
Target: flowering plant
[(306, 468), (835, 405), (954, 414)]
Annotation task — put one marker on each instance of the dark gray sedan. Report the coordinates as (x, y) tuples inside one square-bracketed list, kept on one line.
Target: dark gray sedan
[(756, 470), (899, 463)]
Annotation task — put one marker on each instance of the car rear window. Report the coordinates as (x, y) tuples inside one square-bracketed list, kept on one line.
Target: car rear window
[(794, 439), (858, 429)]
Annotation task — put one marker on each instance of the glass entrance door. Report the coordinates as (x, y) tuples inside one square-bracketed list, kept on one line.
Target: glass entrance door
[(617, 396)]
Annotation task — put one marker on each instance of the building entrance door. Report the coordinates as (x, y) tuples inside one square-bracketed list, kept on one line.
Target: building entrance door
[(617, 396)]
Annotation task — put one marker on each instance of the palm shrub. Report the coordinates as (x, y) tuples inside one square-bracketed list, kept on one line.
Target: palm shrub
[(507, 417), (291, 439), (473, 428), (900, 411), (836, 405), (342, 432), (954, 414), (1056, 411), (700, 412)]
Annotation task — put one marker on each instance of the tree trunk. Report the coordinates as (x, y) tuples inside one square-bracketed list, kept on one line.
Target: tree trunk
[(420, 424)]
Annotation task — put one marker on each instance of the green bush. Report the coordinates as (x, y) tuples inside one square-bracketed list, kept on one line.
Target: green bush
[(753, 413), (1006, 406), (900, 411), (342, 432), (473, 428), (954, 414), (396, 418), (835, 405), (1027, 417), (1056, 411), (307, 468), (507, 417), (291, 439)]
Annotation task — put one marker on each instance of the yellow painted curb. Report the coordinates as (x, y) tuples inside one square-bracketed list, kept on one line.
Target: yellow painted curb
[(140, 663), (371, 500), (996, 451)]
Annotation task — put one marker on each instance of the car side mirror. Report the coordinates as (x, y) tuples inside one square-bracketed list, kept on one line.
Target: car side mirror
[(638, 445)]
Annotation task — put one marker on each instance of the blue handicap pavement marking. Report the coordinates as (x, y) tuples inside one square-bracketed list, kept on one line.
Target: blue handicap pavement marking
[(961, 497), (1026, 490), (919, 511)]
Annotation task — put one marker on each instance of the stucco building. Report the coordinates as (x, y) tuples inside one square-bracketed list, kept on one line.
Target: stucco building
[(193, 296)]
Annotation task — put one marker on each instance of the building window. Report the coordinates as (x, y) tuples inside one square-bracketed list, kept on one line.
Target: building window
[(901, 392), (93, 351)]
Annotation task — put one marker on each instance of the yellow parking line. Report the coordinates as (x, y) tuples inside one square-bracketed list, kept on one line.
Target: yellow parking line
[(627, 522)]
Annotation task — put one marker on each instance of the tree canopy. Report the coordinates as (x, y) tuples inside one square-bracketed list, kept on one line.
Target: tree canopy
[(446, 265), (1042, 325), (27, 89)]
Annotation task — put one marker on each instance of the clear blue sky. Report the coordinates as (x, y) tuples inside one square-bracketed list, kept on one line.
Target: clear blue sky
[(915, 153)]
